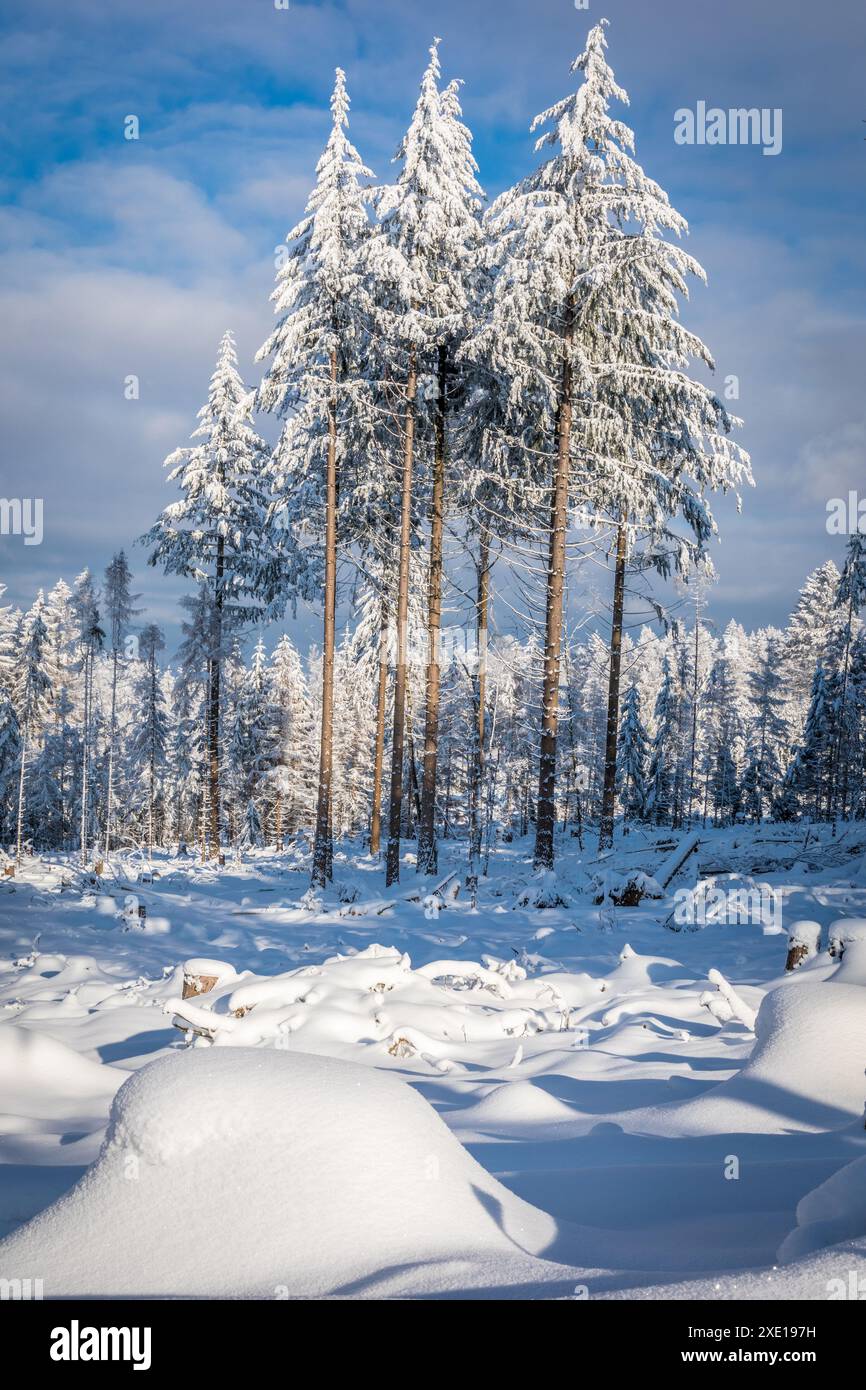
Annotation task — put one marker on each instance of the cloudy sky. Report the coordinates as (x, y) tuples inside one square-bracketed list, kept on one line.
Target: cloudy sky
[(121, 257)]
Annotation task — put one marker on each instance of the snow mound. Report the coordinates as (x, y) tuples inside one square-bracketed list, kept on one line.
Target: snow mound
[(634, 971), (262, 1173), (43, 1078), (805, 1072), (833, 1212)]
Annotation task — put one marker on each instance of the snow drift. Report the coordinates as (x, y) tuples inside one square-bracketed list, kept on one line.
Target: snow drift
[(262, 1173), (833, 1212), (804, 1073)]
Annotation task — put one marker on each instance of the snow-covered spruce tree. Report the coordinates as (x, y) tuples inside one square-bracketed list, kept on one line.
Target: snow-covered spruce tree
[(60, 621), (51, 779), (10, 758), (8, 630), (854, 733), (184, 774), (31, 695), (497, 487), (724, 740), (633, 756), (214, 532), (438, 160), (353, 737), (849, 599), (90, 638), (412, 282), (816, 751), (150, 737), (314, 384), (251, 833), (200, 640), (371, 643), (806, 636), (296, 773), (253, 742), (119, 611), (767, 732), (585, 307), (659, 803)]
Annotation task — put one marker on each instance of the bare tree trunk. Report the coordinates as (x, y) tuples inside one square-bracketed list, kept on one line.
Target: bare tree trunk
[(19, 829), (413, 808), (608, 799), (112, 737), (85, 753), (151, 762), (428, 858), (214, 696), (446, 810), (694, 716), (278, 821), (838, 761), (379, 756), (395, 808), (479, 701), (545, 810), (323, 848)]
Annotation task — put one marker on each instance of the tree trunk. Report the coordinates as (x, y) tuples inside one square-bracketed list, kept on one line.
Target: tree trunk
[(838, 760), (545, 811), (379, 756), (479, 700), (152, 761), (694, 714), (427, 853), (19, 829), (395, 808), (213, 717), (278, 822), (413, 808), (608, 800), (112, 736), (85, 752), (323, 849)]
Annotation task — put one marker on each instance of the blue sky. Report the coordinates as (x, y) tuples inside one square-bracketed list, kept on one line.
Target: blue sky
[(126, 257)]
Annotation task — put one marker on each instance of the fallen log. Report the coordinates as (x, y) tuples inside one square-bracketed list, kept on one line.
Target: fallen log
[(674, 862)]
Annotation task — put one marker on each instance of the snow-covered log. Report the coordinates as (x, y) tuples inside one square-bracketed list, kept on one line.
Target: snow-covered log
[(726, 1004), (674, 862)]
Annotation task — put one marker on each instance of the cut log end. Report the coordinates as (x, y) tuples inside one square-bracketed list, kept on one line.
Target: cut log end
[(796, 955), (198, 984)]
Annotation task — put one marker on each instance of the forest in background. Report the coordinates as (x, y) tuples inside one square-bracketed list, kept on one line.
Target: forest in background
[(507, 385)]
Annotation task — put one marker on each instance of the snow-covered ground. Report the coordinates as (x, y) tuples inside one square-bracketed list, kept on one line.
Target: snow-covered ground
[(389, 1094)]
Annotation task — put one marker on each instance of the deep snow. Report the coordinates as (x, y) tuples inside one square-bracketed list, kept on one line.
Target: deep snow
[(632, 1139)]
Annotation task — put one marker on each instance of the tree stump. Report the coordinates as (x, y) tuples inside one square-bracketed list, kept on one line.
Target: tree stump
[(804, 939), (197, 984)]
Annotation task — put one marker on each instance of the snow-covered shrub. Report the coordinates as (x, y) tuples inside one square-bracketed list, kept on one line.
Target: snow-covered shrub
[(623, 889), (543, 892)]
